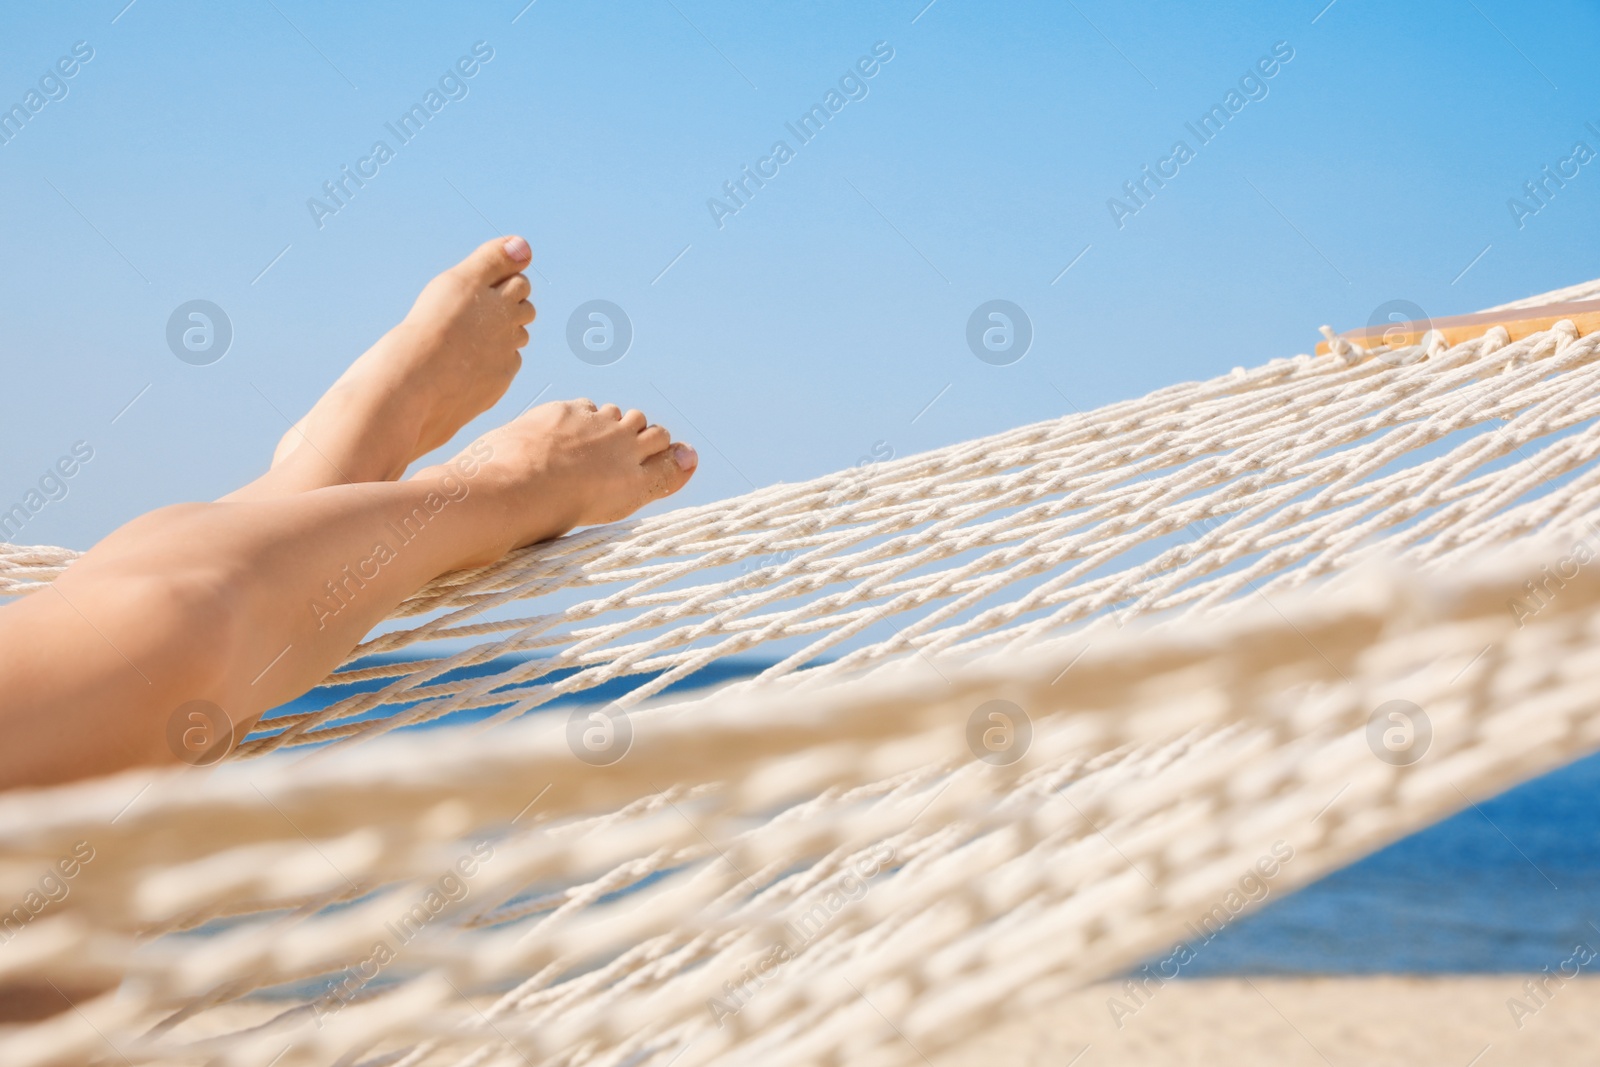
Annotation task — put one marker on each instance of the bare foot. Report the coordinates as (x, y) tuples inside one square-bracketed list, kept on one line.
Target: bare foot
[(566, 464), (449, 360)]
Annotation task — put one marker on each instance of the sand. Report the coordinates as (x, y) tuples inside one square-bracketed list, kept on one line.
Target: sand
[(1266, 1022), (1415, 1022)]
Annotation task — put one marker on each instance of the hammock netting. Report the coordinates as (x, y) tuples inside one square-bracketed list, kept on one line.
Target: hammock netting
[(1026, 707)]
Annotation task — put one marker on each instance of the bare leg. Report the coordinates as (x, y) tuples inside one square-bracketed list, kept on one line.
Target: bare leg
[(228, 603)]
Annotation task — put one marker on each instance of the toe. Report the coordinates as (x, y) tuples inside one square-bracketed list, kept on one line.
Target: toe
[(634, 420), (669, 470), (523, 313), (496, 260), (610, 411), (515, 288), (653, 439)]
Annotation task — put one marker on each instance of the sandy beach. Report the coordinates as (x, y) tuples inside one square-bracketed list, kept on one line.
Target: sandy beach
[(1371, 1021)]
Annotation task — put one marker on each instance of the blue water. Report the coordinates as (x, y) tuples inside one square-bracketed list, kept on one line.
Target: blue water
[(1511, 886), (714, 673)]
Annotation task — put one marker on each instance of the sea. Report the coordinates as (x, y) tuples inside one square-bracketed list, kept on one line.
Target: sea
[(1510, 884)]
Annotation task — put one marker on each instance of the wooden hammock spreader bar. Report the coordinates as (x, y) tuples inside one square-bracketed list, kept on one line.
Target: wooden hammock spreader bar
[(1519, 323)]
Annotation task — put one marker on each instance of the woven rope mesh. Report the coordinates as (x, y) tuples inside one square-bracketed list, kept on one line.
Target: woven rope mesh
[(1195, 600)]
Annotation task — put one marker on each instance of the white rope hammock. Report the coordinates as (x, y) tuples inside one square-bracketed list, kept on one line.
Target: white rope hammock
[(810, 866)]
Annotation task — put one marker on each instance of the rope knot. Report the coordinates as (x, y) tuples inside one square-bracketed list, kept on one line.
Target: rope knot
[(1340, 346)]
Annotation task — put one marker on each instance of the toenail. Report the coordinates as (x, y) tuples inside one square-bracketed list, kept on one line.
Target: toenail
[(518, 249), (686, 456)]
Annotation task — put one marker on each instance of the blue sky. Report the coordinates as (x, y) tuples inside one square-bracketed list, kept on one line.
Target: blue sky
[(827, 319)]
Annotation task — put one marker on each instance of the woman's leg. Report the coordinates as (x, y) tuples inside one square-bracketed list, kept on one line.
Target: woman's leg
[(248, 602)]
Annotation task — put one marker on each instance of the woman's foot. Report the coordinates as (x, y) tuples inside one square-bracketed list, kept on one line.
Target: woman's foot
[(449, 360), (566, 464)]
